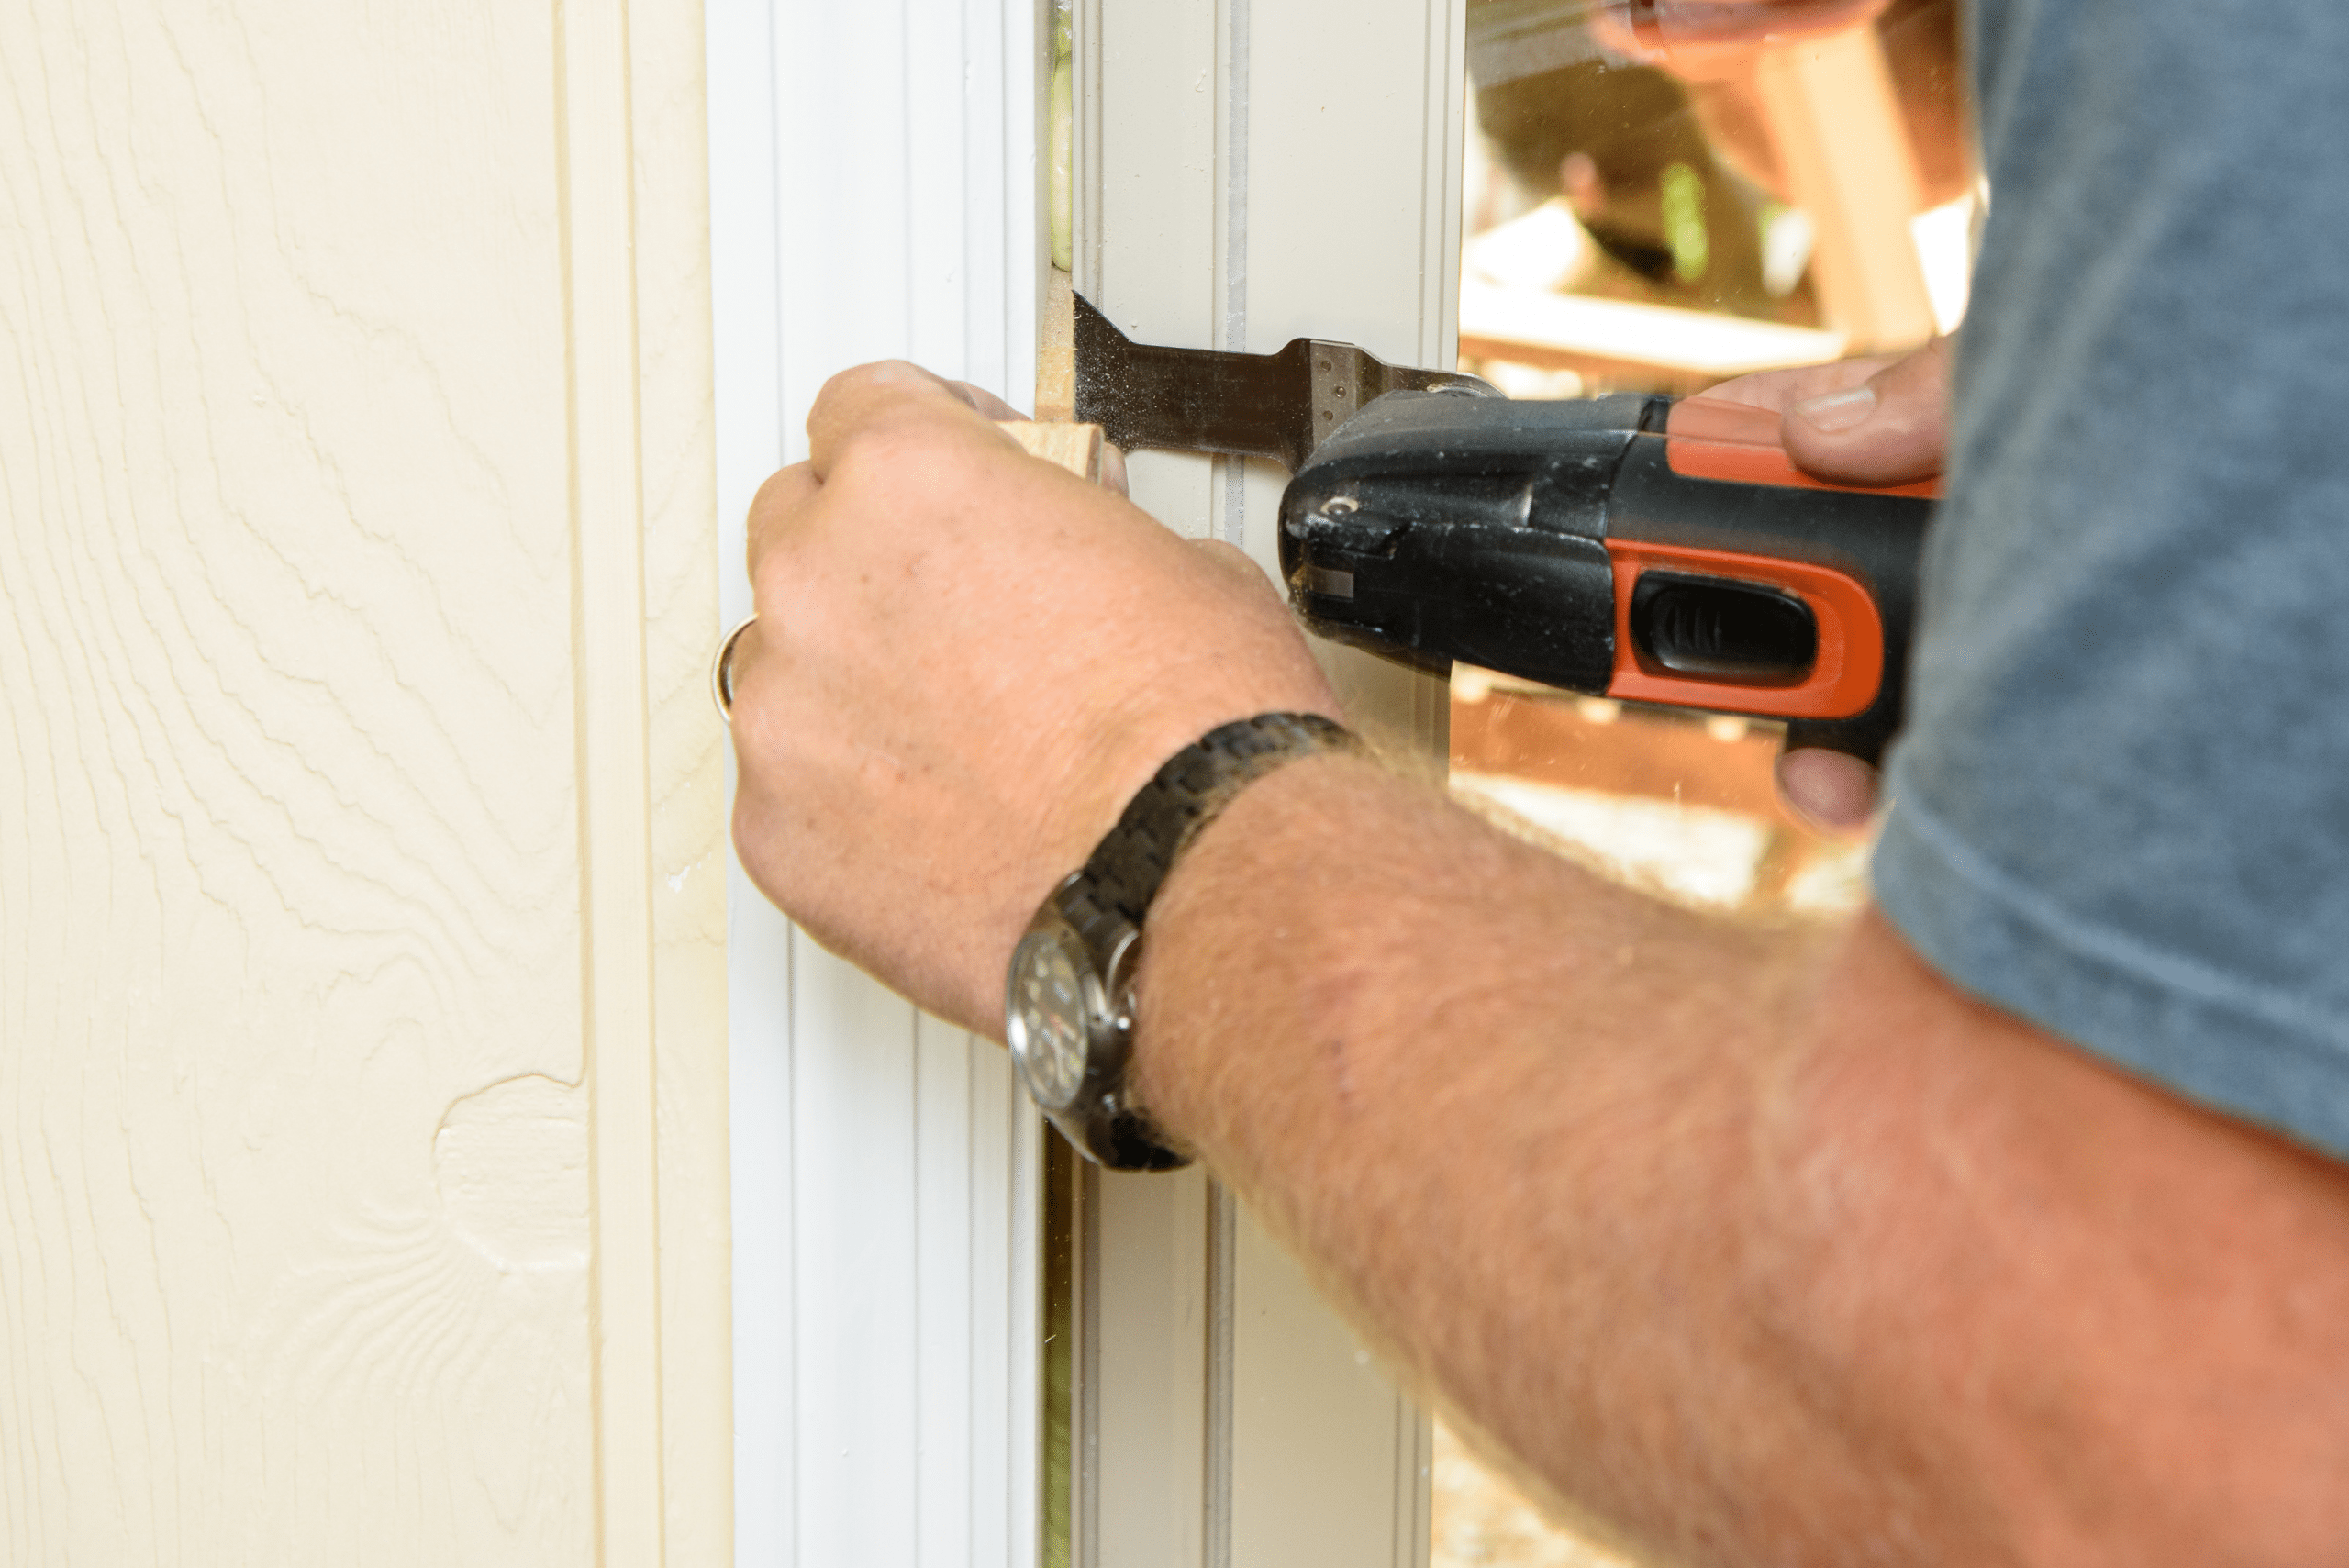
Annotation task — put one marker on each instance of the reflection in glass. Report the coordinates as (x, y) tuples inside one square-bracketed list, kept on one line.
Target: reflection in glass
[(1657, 220)]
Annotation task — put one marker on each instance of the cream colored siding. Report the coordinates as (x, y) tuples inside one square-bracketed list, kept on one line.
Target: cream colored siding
[(361, 1073)]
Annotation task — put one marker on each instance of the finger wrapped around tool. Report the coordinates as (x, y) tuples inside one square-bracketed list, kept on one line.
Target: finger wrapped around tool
[(1829, 789)]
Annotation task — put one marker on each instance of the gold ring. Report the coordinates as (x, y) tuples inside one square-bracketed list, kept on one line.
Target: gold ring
[(721, 669)]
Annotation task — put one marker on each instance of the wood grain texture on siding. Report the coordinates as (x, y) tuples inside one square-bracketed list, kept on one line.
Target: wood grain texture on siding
[(362, 1075), (873, 179)]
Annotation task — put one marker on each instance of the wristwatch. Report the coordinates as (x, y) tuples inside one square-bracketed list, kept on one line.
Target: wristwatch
[(1069, 1004)]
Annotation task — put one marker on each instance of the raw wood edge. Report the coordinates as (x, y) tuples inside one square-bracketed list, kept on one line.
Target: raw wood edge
[(1077, 448)]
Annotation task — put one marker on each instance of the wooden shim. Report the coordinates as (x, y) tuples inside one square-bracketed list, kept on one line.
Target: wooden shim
[(1077, 448), (1056, 351)]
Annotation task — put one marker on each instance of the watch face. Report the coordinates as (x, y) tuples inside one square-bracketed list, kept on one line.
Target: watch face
[(1048, 1023)]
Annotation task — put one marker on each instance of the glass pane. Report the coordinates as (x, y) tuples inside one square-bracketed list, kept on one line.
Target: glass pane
[(1657, 223), (1658, 220)]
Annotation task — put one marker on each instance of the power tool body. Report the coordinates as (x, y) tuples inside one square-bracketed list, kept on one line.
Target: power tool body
[(1627, 546)]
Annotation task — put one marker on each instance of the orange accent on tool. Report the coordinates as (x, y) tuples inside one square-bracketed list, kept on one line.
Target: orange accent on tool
[(1843, 679), (1711, 438)]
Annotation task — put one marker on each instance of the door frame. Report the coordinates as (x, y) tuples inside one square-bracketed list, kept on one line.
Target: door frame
[(1247, 172), (1224, 1417)]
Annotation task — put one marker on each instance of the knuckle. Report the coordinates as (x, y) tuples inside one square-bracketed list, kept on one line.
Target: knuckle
[(863, 384), (855, 378), (891, 455), (775, 493)]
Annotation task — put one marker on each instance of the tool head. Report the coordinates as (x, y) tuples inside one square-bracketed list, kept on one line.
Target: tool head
[(1279, 406)]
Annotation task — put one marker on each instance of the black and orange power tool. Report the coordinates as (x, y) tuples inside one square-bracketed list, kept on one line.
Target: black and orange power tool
[(1627, 547)]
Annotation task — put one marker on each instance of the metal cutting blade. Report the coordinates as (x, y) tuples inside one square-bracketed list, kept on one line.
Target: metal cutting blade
[(1279, 406)]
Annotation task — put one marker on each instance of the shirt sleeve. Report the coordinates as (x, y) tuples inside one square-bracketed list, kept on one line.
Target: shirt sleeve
[(2121, 807)]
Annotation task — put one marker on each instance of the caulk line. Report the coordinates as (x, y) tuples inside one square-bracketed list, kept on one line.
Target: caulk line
[(1222, 1212), (1223, 1220), (1234, 529)]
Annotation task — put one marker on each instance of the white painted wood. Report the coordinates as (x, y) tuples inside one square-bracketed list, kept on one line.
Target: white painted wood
[(361, 1035), (1145, 1375), (874, 195), (1248, 171), (1328, 1464)]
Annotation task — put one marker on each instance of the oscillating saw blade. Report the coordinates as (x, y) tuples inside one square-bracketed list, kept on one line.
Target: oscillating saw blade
[(1279, 406)]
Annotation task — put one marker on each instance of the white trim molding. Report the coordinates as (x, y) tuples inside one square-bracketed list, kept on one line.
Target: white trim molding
[(874, 195)]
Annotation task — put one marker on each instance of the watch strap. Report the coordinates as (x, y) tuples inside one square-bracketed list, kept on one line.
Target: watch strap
[(1105, 903), (1130, 863)]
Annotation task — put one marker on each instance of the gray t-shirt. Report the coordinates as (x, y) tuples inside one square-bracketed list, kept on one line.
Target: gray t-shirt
[(2120, 808)]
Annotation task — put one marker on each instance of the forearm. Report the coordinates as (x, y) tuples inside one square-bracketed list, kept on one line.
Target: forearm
[(1509, 1109), (1768, 1246), (1739, 1238)]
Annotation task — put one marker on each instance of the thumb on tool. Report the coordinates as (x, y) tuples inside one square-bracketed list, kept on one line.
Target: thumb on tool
[(1890, 428)]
